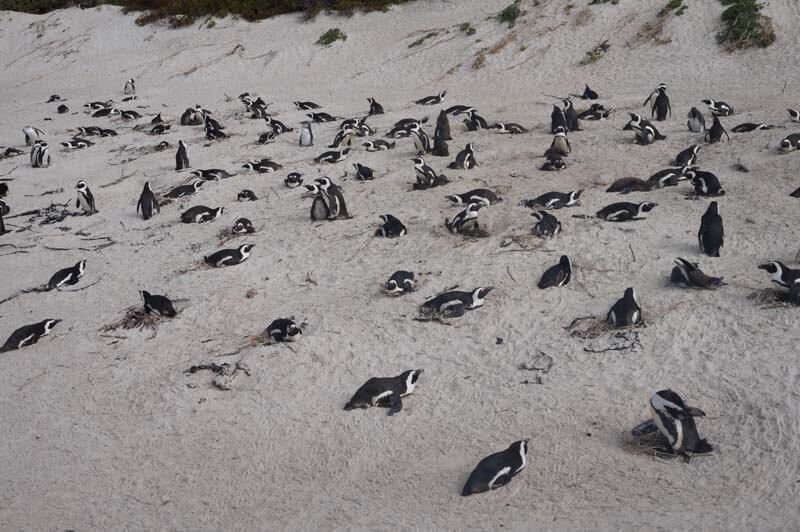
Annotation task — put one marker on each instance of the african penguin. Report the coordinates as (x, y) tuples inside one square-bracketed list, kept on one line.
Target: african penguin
[(705, 183), (320, 208), (181, 157), (690, 275), (229, 257), (794, 115), (780, 274), (130, 87), (714, 134), (401, 282), (555, 200), (305, 106), (718, 108), (306, 134), (669, 177), (696, 121), (28, 335), (750, 126), (712, 234), (687, 157), (661, 104), (242, 226), (553, 163), (67, 276), (510, 128), (246, 195), (497, 470), (625, 211), (321, 117), (32, 134), (212, 174), (675, 420), (557, 120), (263, 166), (465, 160), (379, 145), (385, 391), (547, 225), (332, 156), (589, 94), (571, 116), (374, 107), (478, 195), (790, 142), (560, 145), (147, 202), (454, 303), (432, 100), (626, 185), (336, 203), (184, 190), (85, 200), (625, 311), (465, 222), (284, 330), (558, 275), (157, 305), (442, 126), (293, 180), (200, 214)]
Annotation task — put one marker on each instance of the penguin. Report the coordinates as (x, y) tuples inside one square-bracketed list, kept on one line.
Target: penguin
[(661, 104), (85, 200), (712, 234), (669, 177), (212, 174), (93, 106), (320, 208), (688, 157), (246, 195), (242, 226), (107, 111), (780, 274), (558, 121), (510, 128), (107, 132), (157, 120), (229, 257), (67, 276), (789, 143), (646, 135), (391, 228), (61, 109), (214, 134), (306, 134), (401, 282), (432, 100), (625, 211), (130, 98), (321, 117), (478, 195), (594, 109), (560, 145), (794, 115), (456, 110), (655, 92), (465, 222), (28, 335), (379, 145), (266, 137), (54, 98), (696, 121), (640, 125), (477, 119), (192, 117), (263, 166), (40, 154), (332, 157), (89, 131), (675, 420), (181, 157), (284, 330), (718, 108), (690, 275), (293, 180), (625, 311), (627, 185), (385, 391), (130, 87), (129, 115), (465, 160), (555, 200), (558, 275), (157, 305), (749, 126), (305, 106), (705, 183), (442, 126), (32, 134), (10, 152), (427, 176), (714, 134), (159, 129), (440, 148), (422, 142), (571, 116), (374, 107), (277, 126), (184, 190), (547, 225), (336, 203), (553, 163), (147, 202), (4, 209), (454, 303), (589, 94), (497, 470), (200, 214), (795, 194), (364, 173), (77, 143), (3, 190)]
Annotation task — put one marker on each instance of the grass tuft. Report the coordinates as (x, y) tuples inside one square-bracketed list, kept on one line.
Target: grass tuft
[(745, 26), (510, 14), (331, 36)]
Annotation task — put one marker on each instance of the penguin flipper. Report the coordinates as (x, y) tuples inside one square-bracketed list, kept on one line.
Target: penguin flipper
[(695, 412), (395, 403)]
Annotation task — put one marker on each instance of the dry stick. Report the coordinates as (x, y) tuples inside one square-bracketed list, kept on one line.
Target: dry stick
[(508, 270), (27, 382), (7, 173), (632, 253)]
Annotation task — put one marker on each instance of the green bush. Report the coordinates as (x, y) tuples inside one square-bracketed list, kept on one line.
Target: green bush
[(510, 14), (331, 36), (745, 26)]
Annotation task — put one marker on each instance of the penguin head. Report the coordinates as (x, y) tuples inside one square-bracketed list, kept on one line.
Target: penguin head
[(520, 446), (145, 295), (147, 186), (411, 377), (243, 225), (561, 132), (773, 268), (245, 249), (474, 206), (539, 215), (630, 295), (81, 266), (324, 182), (49, 324), (197, 184), (345, 151), (418, 161), (218, 211), (713, 208), (567, 103), (565, 263), (647, 206), (313, 189), (442, 94), (81, 186), (481, 292), (786, 144), (368, 145), (574, 195)]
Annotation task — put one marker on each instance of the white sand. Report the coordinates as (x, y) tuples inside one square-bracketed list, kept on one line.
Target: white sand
[(104, 433)]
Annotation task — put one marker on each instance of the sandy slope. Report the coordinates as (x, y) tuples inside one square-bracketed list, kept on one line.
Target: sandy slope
[(103, 433)]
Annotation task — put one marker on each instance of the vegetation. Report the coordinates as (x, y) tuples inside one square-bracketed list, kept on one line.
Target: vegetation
[(331, 36), (612, 2), (510, 14), (467, 28), (745, 26), (596, 53), (424, 38), (671, 5)]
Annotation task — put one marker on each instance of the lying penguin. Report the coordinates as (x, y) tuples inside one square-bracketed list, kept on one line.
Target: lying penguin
[(385, 391)]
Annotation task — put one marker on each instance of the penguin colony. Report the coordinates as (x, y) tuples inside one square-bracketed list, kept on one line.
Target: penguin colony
[(670, 414)]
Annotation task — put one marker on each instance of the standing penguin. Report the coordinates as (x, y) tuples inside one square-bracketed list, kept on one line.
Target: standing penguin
[(711, 235), (625, 311), (442, 127), (715, 133), (661, 106), (696, 122), (130, 87), (374, 107), (336, 203), (319, 206), (571, 116), (306, 135), (147, 202), (440, 148), (560, 145), (85, 200), (32, 134), (497, 469), (675, 420), (181, 157), (557, 119)]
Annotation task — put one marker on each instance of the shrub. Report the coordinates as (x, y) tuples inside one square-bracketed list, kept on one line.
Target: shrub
[(331, 36), (745, 26), (510, 14)]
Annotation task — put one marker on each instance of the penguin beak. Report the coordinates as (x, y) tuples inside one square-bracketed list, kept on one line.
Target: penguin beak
[(527, 440), (763, 266)]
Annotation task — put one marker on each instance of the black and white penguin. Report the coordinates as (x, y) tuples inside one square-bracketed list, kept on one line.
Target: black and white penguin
[(696, 121), (374, 107), (306, 134), (40, 154), (456, 110), (157, 120), (669, 177), (422, 142), (200, 214), (432, 100), (426, 176), (705, 183), (555, 200), (654, 93), (181, 157), (780, 274), (718, 108), (28, 335), (547, 225), (558, 275), (589, 94), (595, 112), (477, 119), (246, 195), (229, 257), (442, 130), (790, 142), (646, 135), (510, 128), (747, 127), (263, 166), (305, 106), (465, 160), (391, 227), (478, 195), (625, 311), (85, 201), (277, 126), (184, 190), (32, 134), (89, 131), (343, 137), (557, 120), (242, 226), (625, 211), (147, 202), (104, 132), (714, 134), (4, 209), (321, 117), (553, 163), (712, 234), (385, 391), (690, 275), (440, 148), (77, 143), (560, 145), (67, 276), (159, 129), (284, 330), (129, 115), (466, 222), (661, 104), (364, 173), (626, 185), (107, 111), (130, 87), (130, 98), (332, 157), (379, 145), (54, 98), (92, 106), (335, 198), (61, 109), (497, 470), (571, 116), (3, 190), (293, 180), (675, 420), (454, 303), (212, 174), (320, 206), (794, 115), (688, 157), (157, 305), (401, 282)]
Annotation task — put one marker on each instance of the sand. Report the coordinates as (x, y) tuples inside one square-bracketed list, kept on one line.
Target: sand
[(106, 431)]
